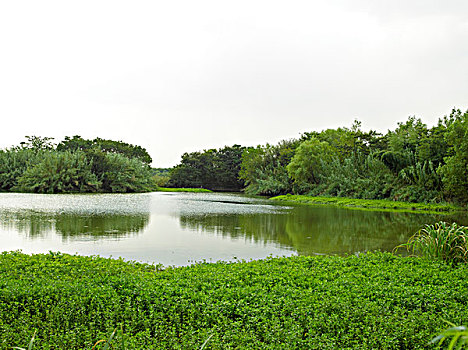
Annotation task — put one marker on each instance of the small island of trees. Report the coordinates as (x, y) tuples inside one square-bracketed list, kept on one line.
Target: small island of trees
[(75, 165)]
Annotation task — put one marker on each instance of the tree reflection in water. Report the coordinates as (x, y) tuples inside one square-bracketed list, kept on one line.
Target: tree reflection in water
[(38, 224), (314, 230)]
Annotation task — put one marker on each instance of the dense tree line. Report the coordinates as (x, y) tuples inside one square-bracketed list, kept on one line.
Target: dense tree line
[(414, 163), (212, 169), (75, 165)]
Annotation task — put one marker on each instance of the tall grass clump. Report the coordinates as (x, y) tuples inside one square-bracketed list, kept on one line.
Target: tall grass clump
[(441, 241), (458, 336)]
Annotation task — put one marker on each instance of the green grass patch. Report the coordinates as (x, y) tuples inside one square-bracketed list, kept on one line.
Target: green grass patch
[(368, 203), (374, 301), (195, 190)]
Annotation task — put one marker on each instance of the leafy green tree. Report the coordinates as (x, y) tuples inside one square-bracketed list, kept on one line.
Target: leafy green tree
[(212, 169), (358, 176), (107, 146), (264, 169), (38, 143), (194, 170), (455, 170), (15, 160), (404, 143), (433, 147), (347, 141), (227, 167), (306, 167), (408, 135)]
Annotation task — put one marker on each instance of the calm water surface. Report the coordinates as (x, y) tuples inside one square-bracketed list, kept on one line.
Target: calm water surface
[(181, 228)]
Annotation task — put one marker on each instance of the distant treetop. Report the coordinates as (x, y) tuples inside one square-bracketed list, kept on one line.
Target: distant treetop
[(109, 146)]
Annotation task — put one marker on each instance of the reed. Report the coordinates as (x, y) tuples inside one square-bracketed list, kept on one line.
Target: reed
[(441, 241), (458, 336)]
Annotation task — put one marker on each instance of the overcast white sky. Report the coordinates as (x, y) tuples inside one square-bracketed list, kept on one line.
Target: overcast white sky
[(181, 76)]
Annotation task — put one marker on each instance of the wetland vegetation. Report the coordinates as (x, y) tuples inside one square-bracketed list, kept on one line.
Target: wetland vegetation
[(75, 165), (368, 301), (413, 163), (182, 189), (380, 204)]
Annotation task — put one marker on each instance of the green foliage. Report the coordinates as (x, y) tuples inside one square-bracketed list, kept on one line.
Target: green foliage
[(456, 335), (58, 172), (455, 170), (183, 189), (264, 168), (76, 165), (407, 136), (76, 143), (423, 175), (212, 169), (419, 183), (37, 143), (412, 163), (161, 176), (434, 146), (194, 170), (374, 301), (306, 167), (13, 164), (442, 241), (358, 176), (122, 174), (347, 141), (367, 203), (161, 181)]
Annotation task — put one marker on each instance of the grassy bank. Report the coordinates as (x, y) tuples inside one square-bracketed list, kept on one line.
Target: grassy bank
[(371, 301), (368, 203), (196, 190)]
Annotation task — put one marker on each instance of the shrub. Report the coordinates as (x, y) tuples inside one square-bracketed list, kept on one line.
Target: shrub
[(122, 174), (13, 164), (58, 172)]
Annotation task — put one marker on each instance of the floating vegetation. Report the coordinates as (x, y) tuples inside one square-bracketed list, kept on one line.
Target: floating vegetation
[(370, 301)]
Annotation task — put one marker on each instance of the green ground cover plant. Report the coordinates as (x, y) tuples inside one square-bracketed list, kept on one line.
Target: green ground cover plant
[(371, 301), (368, 203)]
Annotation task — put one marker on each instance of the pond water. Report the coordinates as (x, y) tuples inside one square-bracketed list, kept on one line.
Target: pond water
[(182, 228)]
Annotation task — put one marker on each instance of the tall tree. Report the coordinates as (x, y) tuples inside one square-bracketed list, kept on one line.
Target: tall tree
[(455, 170)]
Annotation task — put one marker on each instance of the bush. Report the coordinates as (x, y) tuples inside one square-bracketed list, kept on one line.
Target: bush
[(58, 172), (122, 174), (13, 164)]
